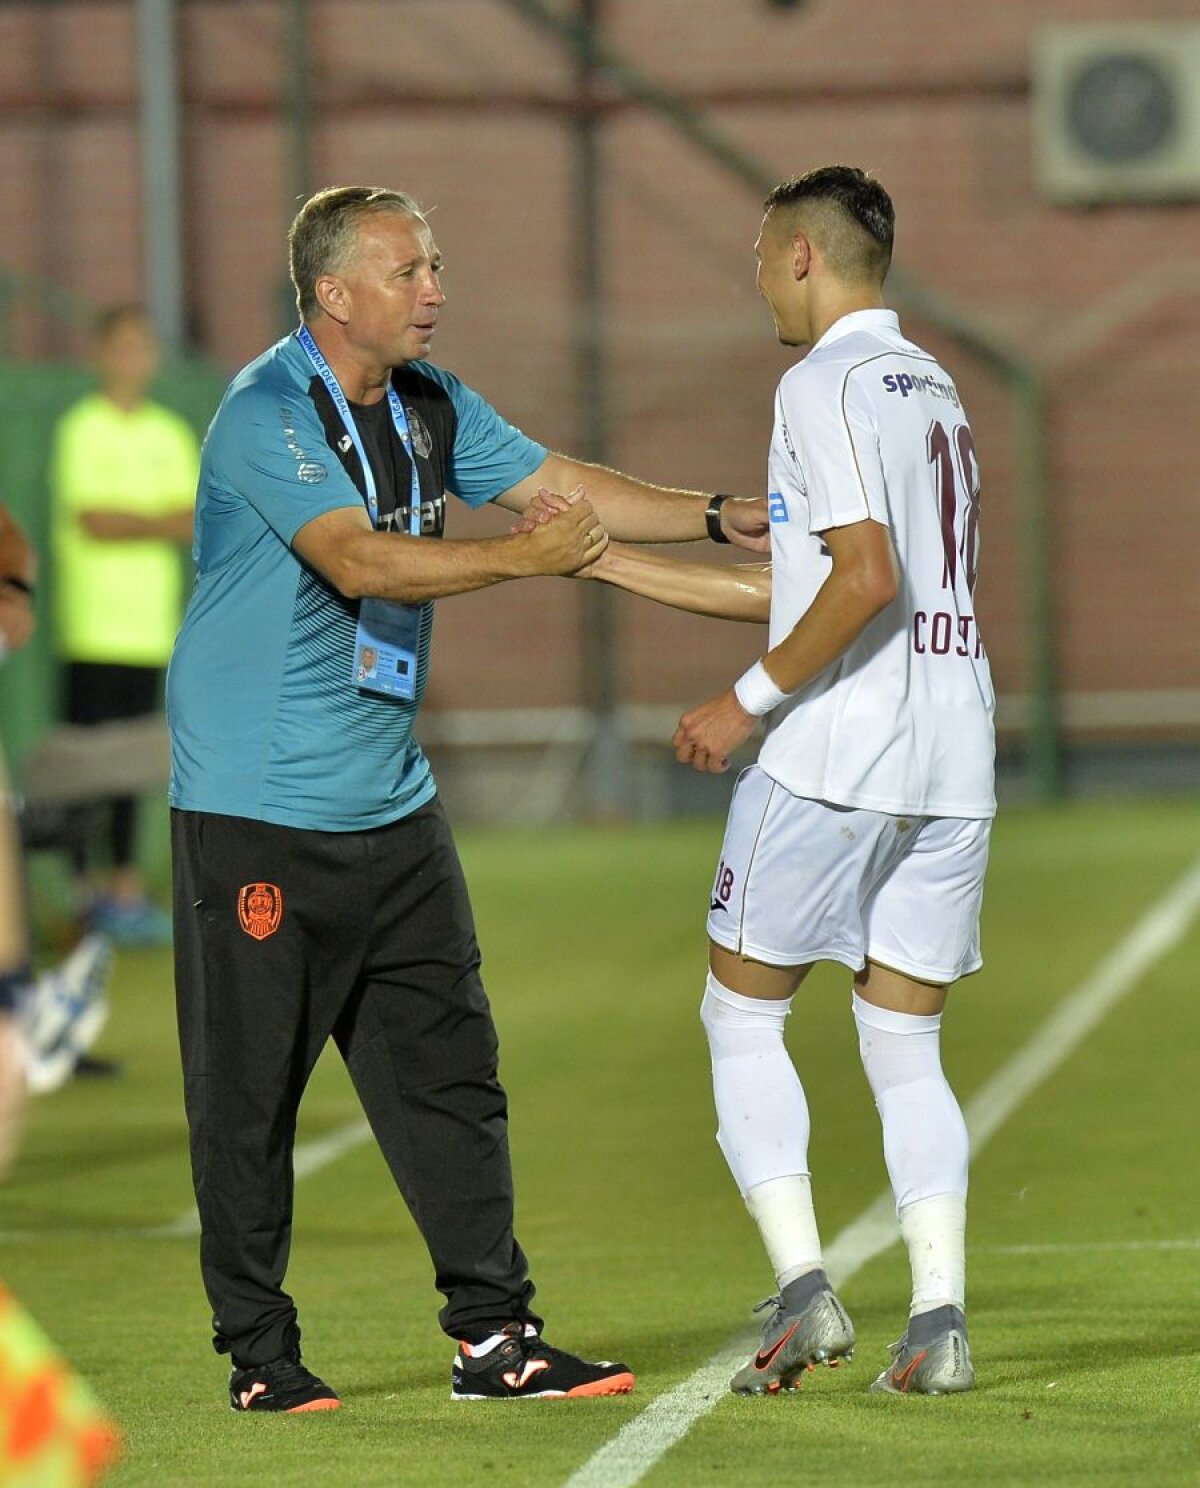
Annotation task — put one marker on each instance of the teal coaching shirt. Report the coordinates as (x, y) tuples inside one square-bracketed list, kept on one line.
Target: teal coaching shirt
[(265, 719)]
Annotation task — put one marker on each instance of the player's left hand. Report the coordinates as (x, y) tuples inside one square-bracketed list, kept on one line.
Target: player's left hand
[(708, 735), (545, 506), (745, 521)]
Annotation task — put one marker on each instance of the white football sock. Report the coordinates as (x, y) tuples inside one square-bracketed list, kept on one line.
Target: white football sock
[(763, 1123), (782, 1208), (925, 1145), (934, 1232)]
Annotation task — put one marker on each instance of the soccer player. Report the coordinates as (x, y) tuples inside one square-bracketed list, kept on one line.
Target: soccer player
[(318, 891), (861, 833)]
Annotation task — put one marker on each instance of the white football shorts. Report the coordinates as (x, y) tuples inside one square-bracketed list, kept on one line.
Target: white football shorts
[(802, 880)]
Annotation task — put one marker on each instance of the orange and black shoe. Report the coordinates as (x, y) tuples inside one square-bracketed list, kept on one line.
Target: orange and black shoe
[(281, 1384), (517, 1365)]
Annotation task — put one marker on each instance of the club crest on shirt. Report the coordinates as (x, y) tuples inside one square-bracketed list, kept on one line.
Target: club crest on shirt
[(422, 443), (260, 909)]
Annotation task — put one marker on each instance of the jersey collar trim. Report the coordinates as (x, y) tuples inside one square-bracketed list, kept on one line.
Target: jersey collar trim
[(859, 320)]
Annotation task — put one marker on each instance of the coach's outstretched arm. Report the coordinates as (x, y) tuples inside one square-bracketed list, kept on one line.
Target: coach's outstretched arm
[(360, 562), (863, 581), (635, 511)]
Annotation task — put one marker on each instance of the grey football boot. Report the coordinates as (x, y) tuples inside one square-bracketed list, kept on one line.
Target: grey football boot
[(933, 1357), (809, 1327)]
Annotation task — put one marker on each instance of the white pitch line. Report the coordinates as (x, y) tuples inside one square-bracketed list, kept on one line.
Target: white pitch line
[(1076, 1248), (308, 1158), (625, 1460)]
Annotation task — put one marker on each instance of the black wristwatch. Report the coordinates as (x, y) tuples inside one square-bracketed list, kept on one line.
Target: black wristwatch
[(712, 518)]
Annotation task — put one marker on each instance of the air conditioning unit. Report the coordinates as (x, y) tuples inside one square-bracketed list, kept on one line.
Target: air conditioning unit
[(1116, 112)]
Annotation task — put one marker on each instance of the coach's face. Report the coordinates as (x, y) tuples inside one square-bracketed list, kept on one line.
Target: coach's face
[(779, 281), (390, 290)]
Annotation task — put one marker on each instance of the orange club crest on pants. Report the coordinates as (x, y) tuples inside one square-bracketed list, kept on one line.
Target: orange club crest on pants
[(260, 909)]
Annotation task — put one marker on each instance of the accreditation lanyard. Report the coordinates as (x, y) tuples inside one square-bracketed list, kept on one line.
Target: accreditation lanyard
[(399, 422), (388, 635)]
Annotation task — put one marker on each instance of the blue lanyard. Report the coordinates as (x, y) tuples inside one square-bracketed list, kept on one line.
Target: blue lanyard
[(399, 420)]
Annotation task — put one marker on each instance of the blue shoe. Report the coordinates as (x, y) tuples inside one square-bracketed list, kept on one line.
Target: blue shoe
[(131, 924)]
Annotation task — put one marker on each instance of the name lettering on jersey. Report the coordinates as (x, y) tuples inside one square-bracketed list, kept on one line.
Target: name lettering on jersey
[(777, 507), (905, 383), (944, 634), (433, 518)]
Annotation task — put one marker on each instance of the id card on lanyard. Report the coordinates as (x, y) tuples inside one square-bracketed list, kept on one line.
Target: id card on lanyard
[(388, 636)]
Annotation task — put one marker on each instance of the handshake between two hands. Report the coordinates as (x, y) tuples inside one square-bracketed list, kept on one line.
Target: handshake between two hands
[(706, 736), (570, 536)]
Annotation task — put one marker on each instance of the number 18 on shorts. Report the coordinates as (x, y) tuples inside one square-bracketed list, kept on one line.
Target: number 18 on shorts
[(802, 880)]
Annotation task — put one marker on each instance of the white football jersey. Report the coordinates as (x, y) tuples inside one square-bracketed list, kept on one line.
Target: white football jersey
[(869, 426)]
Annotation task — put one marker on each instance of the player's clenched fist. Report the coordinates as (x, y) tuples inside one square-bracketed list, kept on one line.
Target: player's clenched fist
[(709, 734)]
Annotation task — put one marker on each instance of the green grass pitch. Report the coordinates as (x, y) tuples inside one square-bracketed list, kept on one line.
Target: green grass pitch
[(1086, 1345)]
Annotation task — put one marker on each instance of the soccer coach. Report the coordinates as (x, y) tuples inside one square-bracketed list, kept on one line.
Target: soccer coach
[(318, 892)]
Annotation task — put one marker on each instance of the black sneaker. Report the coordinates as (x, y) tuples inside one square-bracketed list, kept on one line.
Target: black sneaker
[(522, 1367), (282, 1384)]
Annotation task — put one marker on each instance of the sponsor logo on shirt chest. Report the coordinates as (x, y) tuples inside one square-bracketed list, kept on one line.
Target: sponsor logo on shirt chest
[(906, 383)]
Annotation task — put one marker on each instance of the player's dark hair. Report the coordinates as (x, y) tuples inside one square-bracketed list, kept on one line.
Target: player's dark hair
[(845, 193), (322, 236)]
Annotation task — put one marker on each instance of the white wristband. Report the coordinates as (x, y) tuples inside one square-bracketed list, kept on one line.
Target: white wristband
[(756, 692)]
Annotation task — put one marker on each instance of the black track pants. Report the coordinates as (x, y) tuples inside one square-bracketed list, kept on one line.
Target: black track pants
[(284, 937)]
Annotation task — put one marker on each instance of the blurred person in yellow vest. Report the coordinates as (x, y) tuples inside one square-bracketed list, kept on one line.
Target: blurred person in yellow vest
[(124, 480)]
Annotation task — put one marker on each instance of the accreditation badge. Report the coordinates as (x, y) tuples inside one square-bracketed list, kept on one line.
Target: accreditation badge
[(385, 648)]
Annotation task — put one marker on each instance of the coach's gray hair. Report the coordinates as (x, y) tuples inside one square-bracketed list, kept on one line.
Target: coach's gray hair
[(322, 237)]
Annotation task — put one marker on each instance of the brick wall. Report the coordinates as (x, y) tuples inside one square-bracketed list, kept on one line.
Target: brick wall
[(464, 103)]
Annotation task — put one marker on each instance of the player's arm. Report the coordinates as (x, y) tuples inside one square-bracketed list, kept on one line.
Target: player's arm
[(109, 524), (362, 563), (175, 523), (739, 591), (863, 581), (635, 511), (98, 511), (734, 591), (18, 573)]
